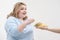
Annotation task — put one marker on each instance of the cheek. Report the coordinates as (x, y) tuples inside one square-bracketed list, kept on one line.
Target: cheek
[(20, 11), (21, 15)]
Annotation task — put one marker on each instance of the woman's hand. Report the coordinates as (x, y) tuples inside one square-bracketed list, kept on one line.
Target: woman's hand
[(28, 21)]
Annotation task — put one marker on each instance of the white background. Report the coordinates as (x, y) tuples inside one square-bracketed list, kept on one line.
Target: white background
[(46, 11)]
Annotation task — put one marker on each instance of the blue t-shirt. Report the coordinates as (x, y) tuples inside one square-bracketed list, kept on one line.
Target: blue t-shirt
[(11, 28)]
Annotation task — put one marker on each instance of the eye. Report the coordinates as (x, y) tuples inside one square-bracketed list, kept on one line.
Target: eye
[(22, 9), (25, 8)]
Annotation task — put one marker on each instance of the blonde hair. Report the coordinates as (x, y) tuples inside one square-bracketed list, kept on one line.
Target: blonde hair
[(15, 10)]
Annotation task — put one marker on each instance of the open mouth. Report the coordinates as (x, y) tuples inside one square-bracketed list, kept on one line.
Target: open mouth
[(24, 13)]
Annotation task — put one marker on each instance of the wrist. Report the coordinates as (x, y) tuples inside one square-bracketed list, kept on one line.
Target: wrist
[(25, 23)]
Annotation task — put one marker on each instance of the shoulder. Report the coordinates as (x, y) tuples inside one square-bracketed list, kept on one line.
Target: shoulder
[(11, 18)]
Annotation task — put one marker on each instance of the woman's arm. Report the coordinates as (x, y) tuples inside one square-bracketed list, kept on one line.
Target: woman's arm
[(56, 30), (45, 27), (23, 25), (12, 29)]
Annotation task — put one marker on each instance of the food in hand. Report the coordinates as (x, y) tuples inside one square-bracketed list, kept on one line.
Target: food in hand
[(40, 25)]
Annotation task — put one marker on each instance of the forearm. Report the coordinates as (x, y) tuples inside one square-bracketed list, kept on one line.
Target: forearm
[(21, 27), (56, 30)]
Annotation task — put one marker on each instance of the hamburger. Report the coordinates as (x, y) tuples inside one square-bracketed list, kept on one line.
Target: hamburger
[(40, 25)]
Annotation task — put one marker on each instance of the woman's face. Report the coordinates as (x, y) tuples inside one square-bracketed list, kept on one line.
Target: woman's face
[(22, 11)]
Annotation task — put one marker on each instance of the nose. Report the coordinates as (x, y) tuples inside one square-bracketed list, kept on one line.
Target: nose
[(25, 11)]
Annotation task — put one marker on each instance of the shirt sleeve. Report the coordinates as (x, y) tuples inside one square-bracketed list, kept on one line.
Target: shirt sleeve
[(11, 28)]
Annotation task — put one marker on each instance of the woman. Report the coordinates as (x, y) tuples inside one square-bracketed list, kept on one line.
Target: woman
[(18, 26)]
